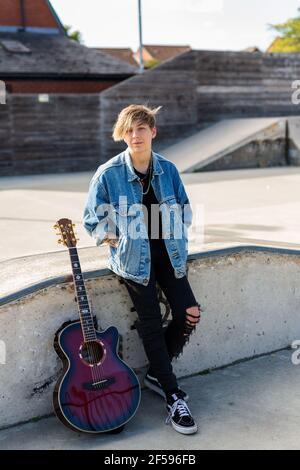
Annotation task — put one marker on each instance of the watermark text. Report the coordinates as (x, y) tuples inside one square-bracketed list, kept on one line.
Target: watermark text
[(2, 352), (2, 92)]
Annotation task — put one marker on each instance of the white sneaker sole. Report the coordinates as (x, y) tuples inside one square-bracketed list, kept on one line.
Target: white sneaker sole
[(183, 429), (158, 390)]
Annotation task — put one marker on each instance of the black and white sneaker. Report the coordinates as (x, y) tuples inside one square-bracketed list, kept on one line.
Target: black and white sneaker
[(152, 383), (180, 415)]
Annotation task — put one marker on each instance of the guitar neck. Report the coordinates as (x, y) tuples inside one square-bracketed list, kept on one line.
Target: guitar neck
[(85, 314)]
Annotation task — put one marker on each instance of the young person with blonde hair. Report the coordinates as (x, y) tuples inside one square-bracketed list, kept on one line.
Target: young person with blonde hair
[(148, 214)]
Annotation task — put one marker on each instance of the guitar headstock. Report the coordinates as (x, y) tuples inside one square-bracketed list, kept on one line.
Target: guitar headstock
[(67, 234)]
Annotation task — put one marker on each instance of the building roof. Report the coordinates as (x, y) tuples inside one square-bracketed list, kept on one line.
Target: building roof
[(55, 55), (163, 53), (33, 43), (125, 54), (251, 49)]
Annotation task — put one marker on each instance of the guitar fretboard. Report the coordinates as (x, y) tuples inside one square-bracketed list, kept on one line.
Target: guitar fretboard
[(85, 314)]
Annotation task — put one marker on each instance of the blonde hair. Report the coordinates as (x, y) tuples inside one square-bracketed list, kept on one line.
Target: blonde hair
[(129, 115)]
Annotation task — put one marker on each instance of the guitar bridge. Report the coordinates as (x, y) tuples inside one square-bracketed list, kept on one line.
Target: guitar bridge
[(99, 384)]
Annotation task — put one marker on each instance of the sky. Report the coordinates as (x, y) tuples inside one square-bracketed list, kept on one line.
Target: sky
[(202, 24)]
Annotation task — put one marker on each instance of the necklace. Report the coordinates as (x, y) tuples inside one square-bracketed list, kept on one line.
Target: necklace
[(150, 177), (144, 178)]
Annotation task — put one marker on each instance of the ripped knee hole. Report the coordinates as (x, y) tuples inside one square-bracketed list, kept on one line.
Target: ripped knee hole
[(193, 315)]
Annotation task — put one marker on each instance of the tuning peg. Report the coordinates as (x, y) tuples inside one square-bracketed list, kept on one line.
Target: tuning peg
[(58, 234), (59, 241), (55, 226), (73, 225)]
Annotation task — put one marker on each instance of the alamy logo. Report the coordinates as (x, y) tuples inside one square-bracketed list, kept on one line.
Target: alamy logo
[(130, 219), (2, 352), (2, 92), (296, 355), (296, 93)]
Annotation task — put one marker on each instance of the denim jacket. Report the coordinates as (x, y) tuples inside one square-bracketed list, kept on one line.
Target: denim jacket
[(114, 203)]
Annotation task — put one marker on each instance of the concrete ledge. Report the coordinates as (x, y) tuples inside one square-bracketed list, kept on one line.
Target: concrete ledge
[(250, 296)]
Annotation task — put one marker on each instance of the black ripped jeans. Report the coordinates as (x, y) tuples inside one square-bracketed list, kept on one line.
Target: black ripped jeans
[(162, 345)]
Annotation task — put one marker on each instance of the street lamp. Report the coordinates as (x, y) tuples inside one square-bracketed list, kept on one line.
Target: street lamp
[(140, 36)]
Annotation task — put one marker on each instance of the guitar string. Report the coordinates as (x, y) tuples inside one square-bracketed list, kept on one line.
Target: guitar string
[(90, 348), (93, 346), (97, 374)]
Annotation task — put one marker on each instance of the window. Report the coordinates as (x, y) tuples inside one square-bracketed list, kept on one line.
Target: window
[(14, 46)]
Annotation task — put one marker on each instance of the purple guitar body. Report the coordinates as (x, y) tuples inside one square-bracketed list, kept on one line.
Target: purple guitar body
[(97, 392), (94, 398)]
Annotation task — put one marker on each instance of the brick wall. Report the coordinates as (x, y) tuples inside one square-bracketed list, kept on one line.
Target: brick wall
[(37, 14)]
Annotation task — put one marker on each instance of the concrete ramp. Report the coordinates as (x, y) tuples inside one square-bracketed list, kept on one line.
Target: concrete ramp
[(203, 150)]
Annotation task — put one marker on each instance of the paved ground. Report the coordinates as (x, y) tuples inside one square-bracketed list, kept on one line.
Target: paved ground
[(250, 405), (257, 206)]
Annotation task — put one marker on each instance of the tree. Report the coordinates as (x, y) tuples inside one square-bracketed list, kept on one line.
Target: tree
[(151, 63), (75, 35), (289, 41)]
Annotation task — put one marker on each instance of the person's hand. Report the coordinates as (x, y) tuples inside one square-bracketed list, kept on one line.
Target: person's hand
[(111, 239)]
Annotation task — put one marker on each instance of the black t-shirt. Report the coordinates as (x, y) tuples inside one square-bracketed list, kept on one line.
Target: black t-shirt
[(154, 217)]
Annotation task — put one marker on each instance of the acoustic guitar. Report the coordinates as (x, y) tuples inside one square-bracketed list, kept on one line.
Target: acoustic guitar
[(96, 392)]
